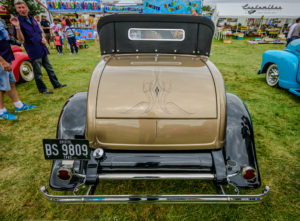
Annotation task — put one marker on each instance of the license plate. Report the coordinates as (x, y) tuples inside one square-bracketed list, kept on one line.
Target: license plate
[(61, 149)]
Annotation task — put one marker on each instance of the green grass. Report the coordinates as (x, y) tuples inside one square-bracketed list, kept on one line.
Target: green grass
[(275, 114)]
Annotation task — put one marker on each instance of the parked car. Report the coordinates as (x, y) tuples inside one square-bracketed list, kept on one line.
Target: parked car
[(81, 43), (22, 68), (282, 68), (156, 108)]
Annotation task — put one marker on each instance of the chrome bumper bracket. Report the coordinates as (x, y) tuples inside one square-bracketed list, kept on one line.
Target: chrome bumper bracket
[(193, 198)]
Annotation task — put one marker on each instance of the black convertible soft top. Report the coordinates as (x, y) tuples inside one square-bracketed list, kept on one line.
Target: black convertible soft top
[(114, 34)]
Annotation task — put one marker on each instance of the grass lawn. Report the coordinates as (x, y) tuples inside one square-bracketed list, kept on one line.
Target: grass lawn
[(276, 119)]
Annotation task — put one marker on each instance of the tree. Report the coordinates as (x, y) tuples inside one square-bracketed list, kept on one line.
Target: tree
[(206, 8), (34, 7)]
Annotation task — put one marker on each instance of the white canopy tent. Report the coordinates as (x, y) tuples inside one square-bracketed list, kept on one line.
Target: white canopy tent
[(243, 11)]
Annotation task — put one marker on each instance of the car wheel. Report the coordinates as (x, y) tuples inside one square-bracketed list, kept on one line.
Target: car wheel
[(86, 46), (26, 71), (272, 75)]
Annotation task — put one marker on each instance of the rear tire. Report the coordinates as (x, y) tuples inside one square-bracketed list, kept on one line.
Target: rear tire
[(26, 71), (272, 75)]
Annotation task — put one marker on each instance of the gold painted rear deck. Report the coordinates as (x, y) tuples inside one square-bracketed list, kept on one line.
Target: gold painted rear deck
[(156, 102)]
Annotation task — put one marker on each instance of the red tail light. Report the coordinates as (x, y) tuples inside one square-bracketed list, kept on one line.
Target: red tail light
[(64, 174), (248, 173)]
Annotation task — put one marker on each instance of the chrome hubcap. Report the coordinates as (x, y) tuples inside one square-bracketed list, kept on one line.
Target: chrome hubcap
[(26, 71), (273, 76)]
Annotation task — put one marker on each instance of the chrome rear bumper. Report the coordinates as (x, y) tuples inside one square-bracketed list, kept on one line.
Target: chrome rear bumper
[(152, 176), (194, 198)]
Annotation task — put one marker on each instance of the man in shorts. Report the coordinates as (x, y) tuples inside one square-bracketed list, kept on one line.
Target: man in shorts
[(7, 79)]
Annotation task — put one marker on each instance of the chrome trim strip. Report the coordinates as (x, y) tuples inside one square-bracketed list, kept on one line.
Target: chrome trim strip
[(156, 176), (202, 198), (117, 176), (155, 63)]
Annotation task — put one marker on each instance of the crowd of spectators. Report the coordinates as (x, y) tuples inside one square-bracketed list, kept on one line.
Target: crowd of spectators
[(31, 33)]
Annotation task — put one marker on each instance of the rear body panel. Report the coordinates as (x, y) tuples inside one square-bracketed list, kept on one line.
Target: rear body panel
[(147, 102), (166, 88)]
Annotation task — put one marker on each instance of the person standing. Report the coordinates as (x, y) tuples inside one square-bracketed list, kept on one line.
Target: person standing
[(285, 30), (94, 27), (64, 24), (3, 23), (46, 28), (70, 35), (58, 43), (288, 40), (29, 34), (194, 12), (37, 18), (7, 79), (296, 33), (56, 27)]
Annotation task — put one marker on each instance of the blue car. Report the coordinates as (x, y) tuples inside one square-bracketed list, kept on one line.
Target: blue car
[(282, 68)]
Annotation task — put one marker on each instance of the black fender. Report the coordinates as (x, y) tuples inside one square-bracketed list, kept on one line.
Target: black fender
[(239, 147), (72, 119), (71, 125)]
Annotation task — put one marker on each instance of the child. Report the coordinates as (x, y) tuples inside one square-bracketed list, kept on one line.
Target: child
[(70, 35), (58, 43)]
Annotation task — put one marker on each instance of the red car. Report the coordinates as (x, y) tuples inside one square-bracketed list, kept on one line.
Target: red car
[(22, 68)]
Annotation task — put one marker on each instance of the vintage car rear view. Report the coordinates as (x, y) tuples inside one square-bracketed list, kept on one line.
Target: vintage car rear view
[(156, 108)]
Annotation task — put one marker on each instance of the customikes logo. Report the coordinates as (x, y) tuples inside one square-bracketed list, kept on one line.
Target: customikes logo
[(260, 8)]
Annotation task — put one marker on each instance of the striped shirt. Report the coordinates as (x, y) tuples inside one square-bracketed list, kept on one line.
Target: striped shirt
[(71, 31)]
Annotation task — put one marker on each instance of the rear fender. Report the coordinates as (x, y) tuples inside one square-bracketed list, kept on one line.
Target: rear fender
[(16, 48), (71, 125), (72, 120), (239, 146)]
